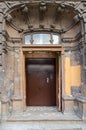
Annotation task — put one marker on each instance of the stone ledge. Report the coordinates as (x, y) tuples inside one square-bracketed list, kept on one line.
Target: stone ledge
[(4, 99), (81, 99), (16, 98), (69, 97)]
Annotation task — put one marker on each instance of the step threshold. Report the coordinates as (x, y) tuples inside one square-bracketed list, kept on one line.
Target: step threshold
[(43, 114)]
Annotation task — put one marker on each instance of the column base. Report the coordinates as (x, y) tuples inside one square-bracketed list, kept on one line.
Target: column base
[(4, 107), (68, 104), (17, 104), (80, 107)]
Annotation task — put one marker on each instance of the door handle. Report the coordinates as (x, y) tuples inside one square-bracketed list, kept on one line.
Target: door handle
[(47, 80)]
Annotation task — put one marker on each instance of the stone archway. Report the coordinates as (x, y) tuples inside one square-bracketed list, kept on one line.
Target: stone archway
[(44, 21)]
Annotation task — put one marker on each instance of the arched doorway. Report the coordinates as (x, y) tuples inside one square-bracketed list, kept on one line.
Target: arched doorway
[(50, 19)]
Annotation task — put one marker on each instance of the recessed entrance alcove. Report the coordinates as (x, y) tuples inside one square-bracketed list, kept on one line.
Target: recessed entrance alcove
[(42, 68), (42, 58)]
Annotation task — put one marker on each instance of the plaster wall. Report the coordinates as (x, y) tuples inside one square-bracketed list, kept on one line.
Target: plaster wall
[(72, 76)]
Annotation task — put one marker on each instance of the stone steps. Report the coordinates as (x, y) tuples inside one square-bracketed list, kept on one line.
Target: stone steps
[(43, 125), (42, 119), (42, 114)]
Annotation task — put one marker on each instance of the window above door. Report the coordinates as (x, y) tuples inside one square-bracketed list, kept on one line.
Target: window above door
[(42, 39)]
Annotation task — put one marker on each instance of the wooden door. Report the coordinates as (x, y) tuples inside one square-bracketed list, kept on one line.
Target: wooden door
[(40, 81)]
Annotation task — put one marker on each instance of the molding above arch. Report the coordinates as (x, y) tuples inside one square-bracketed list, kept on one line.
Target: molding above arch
[(61, 6), (78, 7)]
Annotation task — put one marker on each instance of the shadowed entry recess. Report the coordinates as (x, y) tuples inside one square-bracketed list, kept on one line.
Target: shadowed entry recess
[(40, 81)]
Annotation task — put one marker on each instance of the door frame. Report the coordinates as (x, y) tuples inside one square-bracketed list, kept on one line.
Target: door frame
[(27, 51)]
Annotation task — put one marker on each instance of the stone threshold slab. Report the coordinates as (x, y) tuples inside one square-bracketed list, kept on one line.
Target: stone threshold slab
[(42, 114)]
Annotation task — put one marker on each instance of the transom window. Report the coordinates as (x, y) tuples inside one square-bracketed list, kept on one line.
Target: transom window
[(42, 39)]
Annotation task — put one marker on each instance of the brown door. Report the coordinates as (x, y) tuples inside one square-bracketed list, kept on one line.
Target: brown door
[(40, 81)]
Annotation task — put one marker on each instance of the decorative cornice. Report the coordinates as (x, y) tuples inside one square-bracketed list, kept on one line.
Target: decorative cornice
[(41, 27), (11, 39), (64, 40), (73, 48), (74, 39), (13, 5), (15, 40), (10, 5)]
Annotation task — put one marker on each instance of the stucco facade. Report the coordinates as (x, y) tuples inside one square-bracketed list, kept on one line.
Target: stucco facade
[(64, 18)]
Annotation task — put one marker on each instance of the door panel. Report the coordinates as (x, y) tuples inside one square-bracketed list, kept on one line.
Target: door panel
[(40, 81)]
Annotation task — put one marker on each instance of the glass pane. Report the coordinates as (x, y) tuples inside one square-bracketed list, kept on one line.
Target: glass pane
[(27, 39), (41, 39), (56, 39)]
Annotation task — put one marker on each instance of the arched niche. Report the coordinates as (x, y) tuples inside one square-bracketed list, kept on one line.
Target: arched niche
[(40, 18)]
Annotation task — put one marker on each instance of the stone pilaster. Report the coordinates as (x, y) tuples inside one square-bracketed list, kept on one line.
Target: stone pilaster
[(16, 98), (80, 101), (84, 56), (5, 100)]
